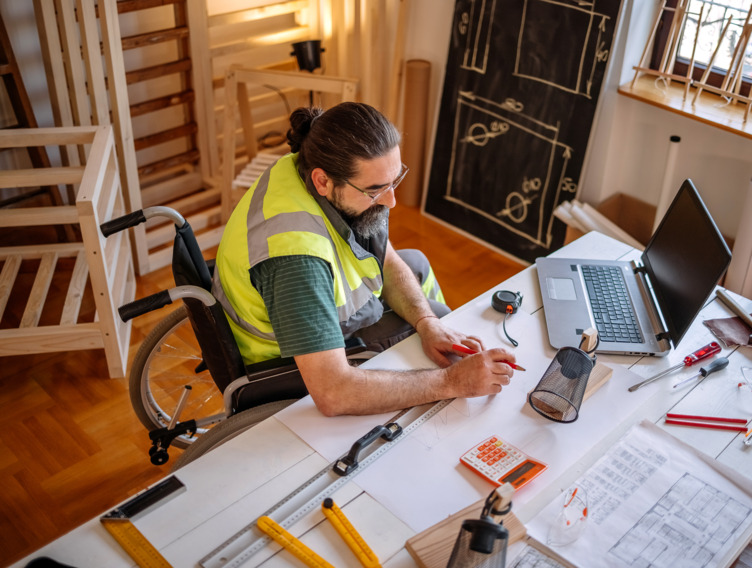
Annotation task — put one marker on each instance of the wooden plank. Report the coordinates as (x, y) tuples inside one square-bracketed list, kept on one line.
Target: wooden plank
[(157, 71), (76, 80), (153, 38), (89, 33), (126, 154), (176, 187), (160, 103), (151, 140), (50, 339), (38, 294), (155, 168), (49, 136), (260, 13), (49, 39), (76, 289), (7, 278), (125, 6), (41, 177), (63, 250), (201, 77), (32, 216)]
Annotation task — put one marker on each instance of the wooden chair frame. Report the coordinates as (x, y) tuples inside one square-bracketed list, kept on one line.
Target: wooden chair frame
[(108, 264)]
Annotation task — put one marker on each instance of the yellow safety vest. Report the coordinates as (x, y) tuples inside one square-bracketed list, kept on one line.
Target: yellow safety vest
[(278, 217)]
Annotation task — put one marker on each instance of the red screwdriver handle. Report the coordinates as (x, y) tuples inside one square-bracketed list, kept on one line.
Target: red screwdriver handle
[(702, 353)]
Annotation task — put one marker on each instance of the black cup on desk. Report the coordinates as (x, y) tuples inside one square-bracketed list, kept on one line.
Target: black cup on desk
[(559, 393)]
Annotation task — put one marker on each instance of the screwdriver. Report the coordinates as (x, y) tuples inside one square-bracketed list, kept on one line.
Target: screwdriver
[(717, 365), (702, 353)]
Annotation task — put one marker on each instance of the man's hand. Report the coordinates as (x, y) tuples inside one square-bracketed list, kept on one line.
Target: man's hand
[(437, 340), (483, 373)]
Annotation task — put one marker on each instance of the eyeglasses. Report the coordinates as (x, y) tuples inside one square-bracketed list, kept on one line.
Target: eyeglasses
[(377, 192)]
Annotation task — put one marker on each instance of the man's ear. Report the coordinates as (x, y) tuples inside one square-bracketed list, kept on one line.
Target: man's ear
[(321, 182)]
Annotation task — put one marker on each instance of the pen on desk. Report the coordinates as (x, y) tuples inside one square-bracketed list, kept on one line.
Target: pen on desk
[(707, 425), (748, 437), (706, 418), (468, 351)]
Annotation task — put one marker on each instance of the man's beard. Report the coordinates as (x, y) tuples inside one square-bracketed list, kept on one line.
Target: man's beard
[(366, 224)]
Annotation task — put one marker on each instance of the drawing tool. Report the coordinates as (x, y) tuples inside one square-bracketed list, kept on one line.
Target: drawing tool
[(702, 353), (291, 544), (237, 549), (748, 437), (462, 349), (717, 365), (347, 531), (707, 425), (118, 523), (706, 418)]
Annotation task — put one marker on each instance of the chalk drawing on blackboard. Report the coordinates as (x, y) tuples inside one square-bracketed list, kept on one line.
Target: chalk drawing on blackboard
[(522, 189), (540, 57), (477, 27)]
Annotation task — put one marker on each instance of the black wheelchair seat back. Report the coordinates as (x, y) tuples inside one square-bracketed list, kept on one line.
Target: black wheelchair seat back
[(268, 381)]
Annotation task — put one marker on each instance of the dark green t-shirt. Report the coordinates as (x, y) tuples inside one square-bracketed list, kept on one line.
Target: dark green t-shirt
[(298, 292)]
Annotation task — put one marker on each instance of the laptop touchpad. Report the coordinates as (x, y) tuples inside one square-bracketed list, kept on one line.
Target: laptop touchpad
[(561, 289)]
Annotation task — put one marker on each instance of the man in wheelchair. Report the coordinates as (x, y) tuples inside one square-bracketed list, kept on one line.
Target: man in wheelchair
[(305, 263)]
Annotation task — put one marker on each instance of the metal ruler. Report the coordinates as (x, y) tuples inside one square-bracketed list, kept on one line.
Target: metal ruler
[(118, 523), (236, 550)]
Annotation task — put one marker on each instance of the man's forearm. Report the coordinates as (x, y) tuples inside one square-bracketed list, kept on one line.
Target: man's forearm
[(374, 391)]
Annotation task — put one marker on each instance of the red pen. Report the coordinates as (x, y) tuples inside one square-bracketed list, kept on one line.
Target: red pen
[(468, 351)]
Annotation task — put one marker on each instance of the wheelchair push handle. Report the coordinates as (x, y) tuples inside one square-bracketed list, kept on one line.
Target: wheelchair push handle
[(161, 299), (141, 216), (121, 223), (144, 305)]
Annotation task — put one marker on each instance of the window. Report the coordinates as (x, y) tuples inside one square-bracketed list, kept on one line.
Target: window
[(711, 18)]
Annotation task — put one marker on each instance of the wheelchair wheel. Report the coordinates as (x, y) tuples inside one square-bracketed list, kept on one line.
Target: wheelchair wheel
[(165, 363), (228, 429)]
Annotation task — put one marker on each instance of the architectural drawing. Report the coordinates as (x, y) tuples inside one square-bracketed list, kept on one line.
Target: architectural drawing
[(540, 57), (686, 527), (526, 188)]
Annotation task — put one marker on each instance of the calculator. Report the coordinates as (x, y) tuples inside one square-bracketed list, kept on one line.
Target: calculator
[(500, 462)]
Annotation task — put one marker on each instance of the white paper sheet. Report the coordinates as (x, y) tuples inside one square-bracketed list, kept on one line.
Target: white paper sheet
[(435, 485), (654, 501)]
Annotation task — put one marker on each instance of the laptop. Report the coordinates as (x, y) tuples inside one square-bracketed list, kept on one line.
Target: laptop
[(662, 292)]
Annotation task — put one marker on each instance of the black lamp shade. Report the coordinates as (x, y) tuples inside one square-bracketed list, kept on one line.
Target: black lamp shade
[(308, 54)]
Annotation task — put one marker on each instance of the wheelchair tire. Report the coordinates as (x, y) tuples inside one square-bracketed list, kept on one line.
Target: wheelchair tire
[(165, 363), (228, 429)]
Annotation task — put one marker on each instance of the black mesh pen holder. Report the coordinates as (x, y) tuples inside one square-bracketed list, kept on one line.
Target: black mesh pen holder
[(481, 543), (559, 393)]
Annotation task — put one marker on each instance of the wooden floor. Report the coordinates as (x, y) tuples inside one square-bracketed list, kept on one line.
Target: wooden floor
[(70, 445)]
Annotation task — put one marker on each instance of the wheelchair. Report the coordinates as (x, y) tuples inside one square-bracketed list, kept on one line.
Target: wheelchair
[(190, 365)]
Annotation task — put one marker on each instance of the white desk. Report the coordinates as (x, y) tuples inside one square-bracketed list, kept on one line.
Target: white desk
[(229, 488)]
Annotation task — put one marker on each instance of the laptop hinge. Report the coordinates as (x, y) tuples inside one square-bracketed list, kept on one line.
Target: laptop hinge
[(639, 268), (663, 336)]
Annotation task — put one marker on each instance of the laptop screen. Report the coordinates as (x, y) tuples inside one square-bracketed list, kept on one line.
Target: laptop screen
[(686, 238)]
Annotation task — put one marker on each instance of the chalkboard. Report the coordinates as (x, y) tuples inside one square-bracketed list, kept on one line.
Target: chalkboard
[(521, 87)]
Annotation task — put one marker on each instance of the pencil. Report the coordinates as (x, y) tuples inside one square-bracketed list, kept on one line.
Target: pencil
[(707, 418), (705, 425), (468, 351)]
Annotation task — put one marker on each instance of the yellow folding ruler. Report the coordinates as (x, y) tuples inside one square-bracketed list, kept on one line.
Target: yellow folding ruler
[(118, 523)]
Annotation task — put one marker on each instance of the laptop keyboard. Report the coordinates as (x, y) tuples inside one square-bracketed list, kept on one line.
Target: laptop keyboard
[(612, 310)]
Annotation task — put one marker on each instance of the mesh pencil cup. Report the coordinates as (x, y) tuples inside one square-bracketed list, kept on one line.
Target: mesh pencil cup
[(559, 393)]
